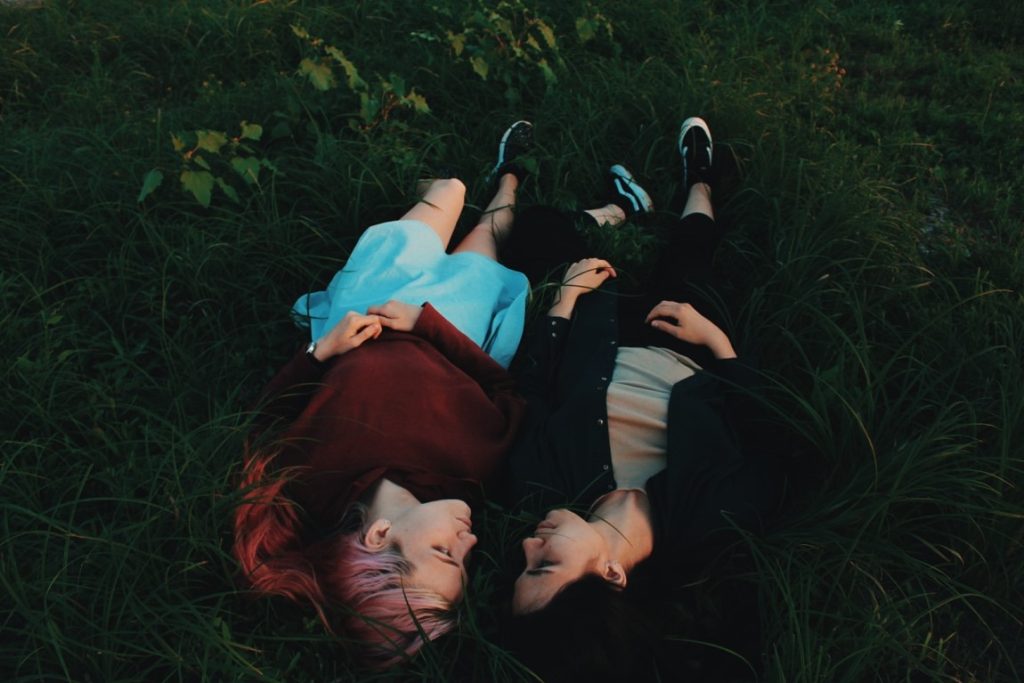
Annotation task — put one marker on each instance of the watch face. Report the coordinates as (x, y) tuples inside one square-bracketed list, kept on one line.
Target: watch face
[(311, 348)]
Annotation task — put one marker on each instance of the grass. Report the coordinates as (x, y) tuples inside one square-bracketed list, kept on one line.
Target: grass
[(874, 264)]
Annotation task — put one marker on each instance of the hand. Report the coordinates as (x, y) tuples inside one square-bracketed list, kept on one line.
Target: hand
[(686, 323), (397, 315), (350, 332), (587, 275), (580, 278)]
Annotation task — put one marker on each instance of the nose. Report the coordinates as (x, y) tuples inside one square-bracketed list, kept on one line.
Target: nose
[(467, 539), (531, 543)]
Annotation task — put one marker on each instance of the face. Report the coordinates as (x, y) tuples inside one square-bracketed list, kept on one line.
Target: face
[(435, 538), (563, 548)]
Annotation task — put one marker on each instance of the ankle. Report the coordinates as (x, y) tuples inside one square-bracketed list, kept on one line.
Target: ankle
[(610, 214), (702, 189), (508, 182)]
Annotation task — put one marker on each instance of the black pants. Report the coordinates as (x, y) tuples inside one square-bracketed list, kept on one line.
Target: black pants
[(545, 240)]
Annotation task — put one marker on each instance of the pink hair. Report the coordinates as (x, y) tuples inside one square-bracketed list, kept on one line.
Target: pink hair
[(340, 571)]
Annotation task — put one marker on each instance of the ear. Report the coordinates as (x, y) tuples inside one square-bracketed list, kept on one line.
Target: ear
[(378, 535), (614, 574)]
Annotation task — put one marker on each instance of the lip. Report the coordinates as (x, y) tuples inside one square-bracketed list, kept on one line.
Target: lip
[(546, 525), (465, 520)]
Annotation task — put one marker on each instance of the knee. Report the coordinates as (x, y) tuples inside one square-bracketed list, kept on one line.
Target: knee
[(452, 186)]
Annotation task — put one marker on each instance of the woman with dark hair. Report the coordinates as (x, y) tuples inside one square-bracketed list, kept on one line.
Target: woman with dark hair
[(393, 417), (637, 411)]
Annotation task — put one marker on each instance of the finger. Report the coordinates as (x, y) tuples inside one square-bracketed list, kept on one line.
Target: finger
[(661, 310), (368, 332), (602, 266), (385, 309), (665, 327), (361, 321)]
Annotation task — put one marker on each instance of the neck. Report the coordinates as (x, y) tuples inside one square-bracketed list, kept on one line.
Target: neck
[(388, 501), (623, 519)]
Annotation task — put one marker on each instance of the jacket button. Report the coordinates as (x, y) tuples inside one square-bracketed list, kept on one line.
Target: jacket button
[(612, 343), (604, 467), (600, 421), (604, 379), (610, 487)]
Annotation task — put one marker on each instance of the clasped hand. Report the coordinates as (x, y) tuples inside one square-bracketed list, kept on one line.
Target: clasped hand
[(355, 329)]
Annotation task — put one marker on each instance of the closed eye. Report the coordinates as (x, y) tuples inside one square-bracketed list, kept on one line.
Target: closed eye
[(538, 570), (445, 556)]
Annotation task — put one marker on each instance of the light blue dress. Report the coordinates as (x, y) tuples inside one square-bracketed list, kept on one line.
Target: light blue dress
[(404, 260)]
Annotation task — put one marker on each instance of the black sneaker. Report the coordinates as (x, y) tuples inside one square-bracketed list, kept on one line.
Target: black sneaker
[(626, 192), (695, 147), (516, 142)]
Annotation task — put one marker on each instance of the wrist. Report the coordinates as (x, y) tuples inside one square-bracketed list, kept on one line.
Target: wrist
[(564, 304), (721, 347), (568, 295), (320, 350)]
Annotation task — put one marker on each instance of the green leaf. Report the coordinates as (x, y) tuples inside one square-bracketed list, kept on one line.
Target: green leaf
[(280, 130), (545, 30), (396, 84), (199, 183), (210, 140), (177, 142), (228, 190), (300, 32), (150, 182), (351, 72), (585, 29), (201, 162), (320, 75), (251, 131), (501, 24), (418, 102), (368, 107), (458, 42), (247, 167), (549, 76), (479, 65)]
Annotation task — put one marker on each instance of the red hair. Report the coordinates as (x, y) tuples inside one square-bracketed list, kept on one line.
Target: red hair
[(334, 573)]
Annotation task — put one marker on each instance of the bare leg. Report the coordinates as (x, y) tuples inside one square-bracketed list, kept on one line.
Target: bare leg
[(440, 207), (699, 201), (610, 214), (495, 222)]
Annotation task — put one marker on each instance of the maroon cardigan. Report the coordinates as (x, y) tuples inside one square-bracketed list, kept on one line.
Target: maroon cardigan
[(427, 409)]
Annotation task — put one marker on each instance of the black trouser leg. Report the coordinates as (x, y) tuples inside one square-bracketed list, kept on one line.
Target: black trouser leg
[(683, 273), (542, 242), (545, 240)]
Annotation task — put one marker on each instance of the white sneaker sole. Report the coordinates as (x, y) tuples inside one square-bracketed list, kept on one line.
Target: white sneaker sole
[(687, 125), (504, 142)]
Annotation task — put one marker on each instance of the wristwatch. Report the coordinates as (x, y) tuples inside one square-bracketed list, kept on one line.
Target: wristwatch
[(311, 350)]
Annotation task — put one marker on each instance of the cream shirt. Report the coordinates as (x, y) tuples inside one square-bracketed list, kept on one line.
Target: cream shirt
[(638, 410)]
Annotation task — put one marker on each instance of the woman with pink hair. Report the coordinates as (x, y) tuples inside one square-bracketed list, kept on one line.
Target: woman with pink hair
[(393, 417)]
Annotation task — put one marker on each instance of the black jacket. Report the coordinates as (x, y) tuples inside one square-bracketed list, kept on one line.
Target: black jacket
[(713, 479)]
